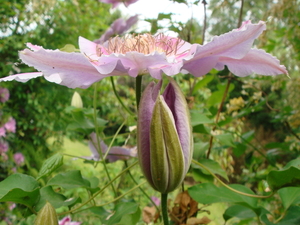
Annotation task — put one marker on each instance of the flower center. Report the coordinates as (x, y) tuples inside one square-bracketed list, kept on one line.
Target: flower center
[(142, 43)]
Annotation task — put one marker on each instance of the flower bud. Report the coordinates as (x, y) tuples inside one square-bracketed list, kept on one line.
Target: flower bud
[(76, 100), (46, 216), (165, 141)]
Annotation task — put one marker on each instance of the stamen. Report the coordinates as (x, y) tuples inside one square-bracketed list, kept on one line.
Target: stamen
[(145, 44)]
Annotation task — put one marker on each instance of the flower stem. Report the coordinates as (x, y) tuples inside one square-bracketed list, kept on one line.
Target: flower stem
[(118, 96), (138, 90), (164, 208), (98, 141)]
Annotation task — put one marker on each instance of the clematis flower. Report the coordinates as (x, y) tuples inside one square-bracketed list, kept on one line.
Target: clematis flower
[(10, 125), (115, 153), (115, 3), (19, 158), (146, 54), (4, 94), (118, 27), (67, 221), (164, 136)]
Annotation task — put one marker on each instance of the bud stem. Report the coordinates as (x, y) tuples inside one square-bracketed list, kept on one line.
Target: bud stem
[(164, 208), (138, 90)]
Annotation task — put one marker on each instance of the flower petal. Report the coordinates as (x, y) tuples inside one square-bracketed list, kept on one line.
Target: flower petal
[(146, 106), (234, 44), (176, 102), (256, 61), (73, 69), (22, 77)]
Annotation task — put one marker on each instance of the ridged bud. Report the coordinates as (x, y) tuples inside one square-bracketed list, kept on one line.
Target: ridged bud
[(76, 100), (165, 141), (46, 216)]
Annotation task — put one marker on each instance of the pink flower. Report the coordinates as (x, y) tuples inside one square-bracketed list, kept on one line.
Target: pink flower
[(10, 126), (2, 132), (3, 147), (146, 54), (115, 153), (4, 95), (118, 27), (19, 158), (115, 3), (67, 221)]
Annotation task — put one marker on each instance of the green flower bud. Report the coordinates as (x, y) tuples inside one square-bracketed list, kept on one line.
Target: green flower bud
[(46, 216), (165, 141)]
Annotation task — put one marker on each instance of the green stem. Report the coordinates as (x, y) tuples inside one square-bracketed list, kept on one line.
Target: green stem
[(118, 96), (228, 187), (100, 191), (138, 90), (98, 141), (116, 199), (141, 189), (164, 208), (111, 143)]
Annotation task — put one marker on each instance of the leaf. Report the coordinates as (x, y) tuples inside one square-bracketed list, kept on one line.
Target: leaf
[(291, 218), (226, 139), (202, 83), (70, 179), (207, 193), (19, 188), (100, 211), (50, 165), (122, 209), (48, 195), (238, 211), (212, 166), (131, 218), (289, 196), (284, 178), (199, 118)]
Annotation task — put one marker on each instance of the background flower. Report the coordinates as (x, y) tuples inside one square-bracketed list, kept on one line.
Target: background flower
[(19, 158), (115, 3), (4, 94)]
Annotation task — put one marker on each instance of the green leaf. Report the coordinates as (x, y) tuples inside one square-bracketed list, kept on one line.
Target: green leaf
[(226, 139), (289, 196), (238, 211), (292, 217), (131, 218), (200, 149), (48, 195), (207, 193), (284, 178), (121, 210), (69, 180), (217, 96), (203, 82), (212, 166), (201, 129), (19, 188), (199, 118), (50, 165), (100, 211)]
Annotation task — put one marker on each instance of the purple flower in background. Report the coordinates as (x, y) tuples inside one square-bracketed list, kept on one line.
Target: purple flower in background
[(2, 132), (67, 221), (115, 153), (19, 158), (10, 126), (135, 55), (156, 200), (4, 94), (3, 146), (115, 3), (118, 27)]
